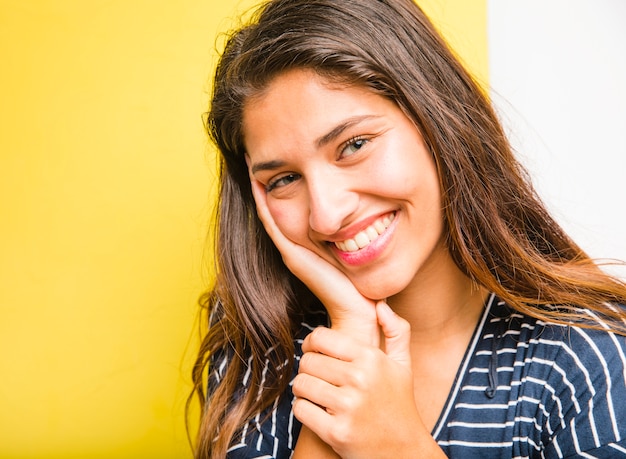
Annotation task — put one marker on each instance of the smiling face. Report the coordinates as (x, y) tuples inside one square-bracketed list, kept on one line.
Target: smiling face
[(348, 175)]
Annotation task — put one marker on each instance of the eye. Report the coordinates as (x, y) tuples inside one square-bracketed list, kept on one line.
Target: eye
[(353, 145), (281, 181)]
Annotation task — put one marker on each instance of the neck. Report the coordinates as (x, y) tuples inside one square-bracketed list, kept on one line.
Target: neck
[(440, 303)]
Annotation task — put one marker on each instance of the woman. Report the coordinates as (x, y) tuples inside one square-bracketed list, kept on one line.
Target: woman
[(388, 283)]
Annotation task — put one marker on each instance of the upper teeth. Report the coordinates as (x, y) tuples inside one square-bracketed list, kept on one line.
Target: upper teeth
[(366, 236)]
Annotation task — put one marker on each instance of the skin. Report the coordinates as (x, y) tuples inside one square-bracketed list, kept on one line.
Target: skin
[(402, 313)]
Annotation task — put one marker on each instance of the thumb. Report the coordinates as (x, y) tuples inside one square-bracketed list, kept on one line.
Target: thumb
[(397, 334), (348, 309)]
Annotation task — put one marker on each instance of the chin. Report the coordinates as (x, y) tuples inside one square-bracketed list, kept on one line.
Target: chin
[(380, 291)]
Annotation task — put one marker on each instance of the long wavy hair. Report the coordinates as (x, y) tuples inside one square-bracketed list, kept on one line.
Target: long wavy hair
[(498, 231)]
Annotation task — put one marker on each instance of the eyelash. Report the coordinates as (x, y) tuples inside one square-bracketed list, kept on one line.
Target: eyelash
[(274, 183), (352, 142)]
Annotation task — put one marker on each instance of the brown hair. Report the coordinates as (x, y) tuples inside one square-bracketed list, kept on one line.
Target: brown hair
[(498, 231)]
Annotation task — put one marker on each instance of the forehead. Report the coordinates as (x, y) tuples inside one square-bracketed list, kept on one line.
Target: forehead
[(290, 87), (300, 104)]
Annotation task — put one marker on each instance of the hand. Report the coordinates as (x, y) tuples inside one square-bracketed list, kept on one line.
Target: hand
[(354, 396), (349, 311), (359, 399)]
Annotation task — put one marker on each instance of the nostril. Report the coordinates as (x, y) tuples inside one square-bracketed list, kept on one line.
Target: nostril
[(331, 201)]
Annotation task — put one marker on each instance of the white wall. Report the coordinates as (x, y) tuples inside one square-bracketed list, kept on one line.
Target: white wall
[(558, 77)]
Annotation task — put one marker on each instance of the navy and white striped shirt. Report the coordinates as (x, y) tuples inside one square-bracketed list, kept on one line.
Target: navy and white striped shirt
[(525, 389)]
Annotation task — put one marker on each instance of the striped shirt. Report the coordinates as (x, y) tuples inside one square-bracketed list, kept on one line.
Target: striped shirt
[(525, 389)]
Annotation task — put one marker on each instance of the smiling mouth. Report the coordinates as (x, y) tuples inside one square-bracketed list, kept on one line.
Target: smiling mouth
[(367, 236)]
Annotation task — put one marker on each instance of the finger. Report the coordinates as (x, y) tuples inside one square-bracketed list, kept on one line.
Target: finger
[(302, 262), (312, 416), (296, 257), (318, 391), (397, 334), (260, 198), (329, 369), (305, 264), (333, 343), (347, 307)]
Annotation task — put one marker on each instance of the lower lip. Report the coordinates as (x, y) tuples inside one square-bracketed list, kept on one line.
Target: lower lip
[(372, 250)]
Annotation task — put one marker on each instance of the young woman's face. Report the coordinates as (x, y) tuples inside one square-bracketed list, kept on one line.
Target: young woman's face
[(348, 176)]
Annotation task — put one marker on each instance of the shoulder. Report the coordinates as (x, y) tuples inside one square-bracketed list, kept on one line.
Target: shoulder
[(588, 342), (589, 401), (589, 353), (590, 350), (574, 375)]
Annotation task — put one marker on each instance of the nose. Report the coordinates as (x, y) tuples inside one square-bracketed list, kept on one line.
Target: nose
[(331, 201)]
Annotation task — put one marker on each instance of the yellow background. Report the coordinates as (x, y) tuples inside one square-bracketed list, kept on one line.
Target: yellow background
[(105, 178)]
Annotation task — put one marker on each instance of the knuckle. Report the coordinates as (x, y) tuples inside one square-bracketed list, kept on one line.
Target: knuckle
[(313, 339), (300, 384), (317, 334), (305, 362), (350, 401), (299, 408), (310, 339), (358, 378), (341, 434), (371, 354), (404, 325)]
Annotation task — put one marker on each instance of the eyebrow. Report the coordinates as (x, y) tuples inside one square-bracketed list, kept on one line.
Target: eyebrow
[(320, 142), (267, 166), (336, 132)]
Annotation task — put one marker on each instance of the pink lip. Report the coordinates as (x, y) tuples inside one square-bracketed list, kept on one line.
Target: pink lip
[(371, 251)]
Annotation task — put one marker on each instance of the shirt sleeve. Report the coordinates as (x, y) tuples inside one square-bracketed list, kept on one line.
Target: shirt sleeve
[(272, 433), (588, 415)]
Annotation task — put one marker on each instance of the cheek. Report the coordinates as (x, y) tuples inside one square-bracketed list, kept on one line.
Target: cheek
[(290, 218), (417, 177), (403, 180)]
